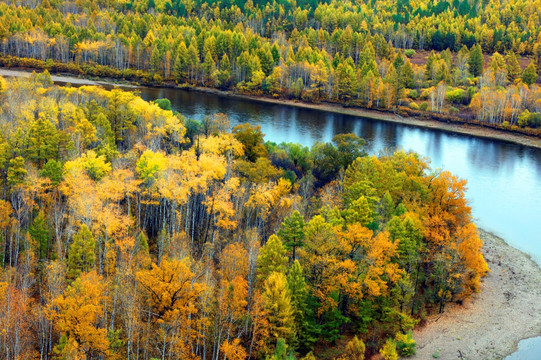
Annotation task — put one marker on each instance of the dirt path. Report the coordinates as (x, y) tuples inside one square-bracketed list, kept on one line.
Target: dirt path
[(63, 78), (489, 326)]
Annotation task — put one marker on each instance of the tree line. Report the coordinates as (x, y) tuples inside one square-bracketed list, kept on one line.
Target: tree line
[(128, 231), (353, 54)]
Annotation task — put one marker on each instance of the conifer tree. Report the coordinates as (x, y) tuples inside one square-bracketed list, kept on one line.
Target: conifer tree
[(513, 67), (43, 141), (407, 80), (272, 258), (307, 332), (53, 171), (40, 233), (529, 76), (16, 171), (355, 349), (292, 233), (81, 255), (297, 288), (277, 302), (208, 67), (476, 61), (155, 60), (181, 61)]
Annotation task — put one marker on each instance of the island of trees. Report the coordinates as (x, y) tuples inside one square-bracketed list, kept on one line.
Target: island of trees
[(463, 60), (130, 232)]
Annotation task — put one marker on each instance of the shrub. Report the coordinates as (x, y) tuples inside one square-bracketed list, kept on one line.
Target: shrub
[(308, 96), (456, 96), (355, 349), (414, 106), (453, 110), (388, 351), (413, 94), (409, 53), (531, 119), (425, 94), (164, 104), (405, 344), (423, 106)]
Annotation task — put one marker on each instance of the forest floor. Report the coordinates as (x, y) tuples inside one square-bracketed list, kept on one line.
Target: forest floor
[(465, 129), (490, 325)]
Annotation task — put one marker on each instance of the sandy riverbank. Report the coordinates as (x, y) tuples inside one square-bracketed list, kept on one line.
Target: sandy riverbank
[(470, 130), (491, 324), (64, 78)]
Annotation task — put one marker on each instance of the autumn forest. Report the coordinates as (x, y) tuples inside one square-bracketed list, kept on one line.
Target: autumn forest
[(129, 231), (462, 60)]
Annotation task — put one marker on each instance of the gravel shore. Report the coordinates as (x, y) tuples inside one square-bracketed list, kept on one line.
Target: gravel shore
[(490, 325)]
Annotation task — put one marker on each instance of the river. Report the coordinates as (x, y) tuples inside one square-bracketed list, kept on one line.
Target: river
[(504, 179)]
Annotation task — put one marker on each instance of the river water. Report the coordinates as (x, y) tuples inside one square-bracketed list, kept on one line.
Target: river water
[(504, 180)]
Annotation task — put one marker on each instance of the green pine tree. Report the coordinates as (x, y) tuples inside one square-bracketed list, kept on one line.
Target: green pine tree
[(40, 233), (292, 233), (476, 61), (53, 170), (513, 67), (181, 61), (155, 60), (272, 258), (307, 333), (386, 207), (407, 79), (81, 255), (16, 171), (208, 66), (529, 76), (43, 141)]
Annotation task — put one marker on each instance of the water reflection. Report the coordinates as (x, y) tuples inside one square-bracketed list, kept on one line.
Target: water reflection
[(504, 180)]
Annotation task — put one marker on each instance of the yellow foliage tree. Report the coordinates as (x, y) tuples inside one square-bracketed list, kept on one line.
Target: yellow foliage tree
[(77, 314)]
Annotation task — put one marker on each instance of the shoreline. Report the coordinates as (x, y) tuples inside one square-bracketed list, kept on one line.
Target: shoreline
[(478, 131), (463, 129), (66, 79), (492, 323)]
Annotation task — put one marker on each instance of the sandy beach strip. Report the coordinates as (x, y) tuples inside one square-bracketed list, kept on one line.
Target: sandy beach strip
[(490, 325), (64, 78)]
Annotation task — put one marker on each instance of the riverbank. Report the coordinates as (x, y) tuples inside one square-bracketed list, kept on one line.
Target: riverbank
[(490, 325), (465, 129), (66, 79)]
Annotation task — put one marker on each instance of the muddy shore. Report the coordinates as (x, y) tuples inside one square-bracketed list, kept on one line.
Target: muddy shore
[(491, 324)]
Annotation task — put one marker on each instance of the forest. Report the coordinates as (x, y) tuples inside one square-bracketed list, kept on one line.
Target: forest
[(462, 60), (128, 231)]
